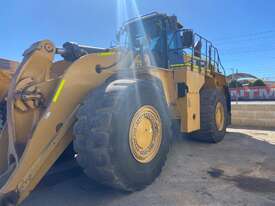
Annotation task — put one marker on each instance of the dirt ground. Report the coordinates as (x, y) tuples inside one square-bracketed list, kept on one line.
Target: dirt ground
[(238, 171)]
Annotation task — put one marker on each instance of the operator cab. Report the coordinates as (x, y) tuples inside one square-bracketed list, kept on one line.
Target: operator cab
[(163, 39), (149, 35), (152, 43)]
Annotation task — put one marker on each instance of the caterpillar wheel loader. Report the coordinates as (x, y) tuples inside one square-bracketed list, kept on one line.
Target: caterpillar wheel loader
[(115, 105)]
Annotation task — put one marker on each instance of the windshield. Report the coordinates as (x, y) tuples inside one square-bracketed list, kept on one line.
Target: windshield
[(146, 33)]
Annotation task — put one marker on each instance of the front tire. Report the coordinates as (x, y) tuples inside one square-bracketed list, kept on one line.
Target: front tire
[(113, 140)]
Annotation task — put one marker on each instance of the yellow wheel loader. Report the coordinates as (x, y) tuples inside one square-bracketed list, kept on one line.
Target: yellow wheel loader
[(117, 105)]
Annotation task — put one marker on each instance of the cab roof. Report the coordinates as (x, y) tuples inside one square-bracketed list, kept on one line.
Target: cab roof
[(152, 15)]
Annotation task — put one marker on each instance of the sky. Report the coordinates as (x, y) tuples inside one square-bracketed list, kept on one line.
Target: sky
[(242, 30)]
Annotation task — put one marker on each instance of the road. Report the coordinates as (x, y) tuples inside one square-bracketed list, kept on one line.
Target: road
[(238, 171)]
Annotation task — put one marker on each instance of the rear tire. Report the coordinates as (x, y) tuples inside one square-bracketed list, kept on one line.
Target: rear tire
[(102, 140), (212, 130), (3, 113)]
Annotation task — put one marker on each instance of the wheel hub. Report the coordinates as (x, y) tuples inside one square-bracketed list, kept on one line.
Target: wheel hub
[(145, 134)]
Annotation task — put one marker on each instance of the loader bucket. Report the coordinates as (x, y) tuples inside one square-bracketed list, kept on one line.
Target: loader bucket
[(26, 91), (7, 70)]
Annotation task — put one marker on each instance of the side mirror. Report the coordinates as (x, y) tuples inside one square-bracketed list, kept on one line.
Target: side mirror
[(187, 39)]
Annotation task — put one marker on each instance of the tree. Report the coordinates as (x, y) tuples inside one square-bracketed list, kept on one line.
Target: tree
[(258, 83), (234, 84)]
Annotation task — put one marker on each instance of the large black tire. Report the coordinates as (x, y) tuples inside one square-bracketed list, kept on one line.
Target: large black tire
[(102, 129), (209, 98)]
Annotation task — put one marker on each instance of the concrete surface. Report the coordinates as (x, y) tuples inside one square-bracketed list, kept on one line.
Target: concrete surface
[(238, 171), (257, 115)]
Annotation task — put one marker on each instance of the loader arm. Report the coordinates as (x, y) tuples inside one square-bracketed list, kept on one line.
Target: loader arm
[(41, 112)]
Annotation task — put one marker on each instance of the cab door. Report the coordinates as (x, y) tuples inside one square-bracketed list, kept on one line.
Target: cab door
[(175, 48)]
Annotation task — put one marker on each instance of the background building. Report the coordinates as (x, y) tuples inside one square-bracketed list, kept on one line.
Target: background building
[(245, 86)]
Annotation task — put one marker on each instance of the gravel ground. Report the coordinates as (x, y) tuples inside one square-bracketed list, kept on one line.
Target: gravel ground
[(238, 171)]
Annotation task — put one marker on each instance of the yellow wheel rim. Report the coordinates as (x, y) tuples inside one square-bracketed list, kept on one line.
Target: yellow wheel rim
[(219, 116), (145, 134)]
